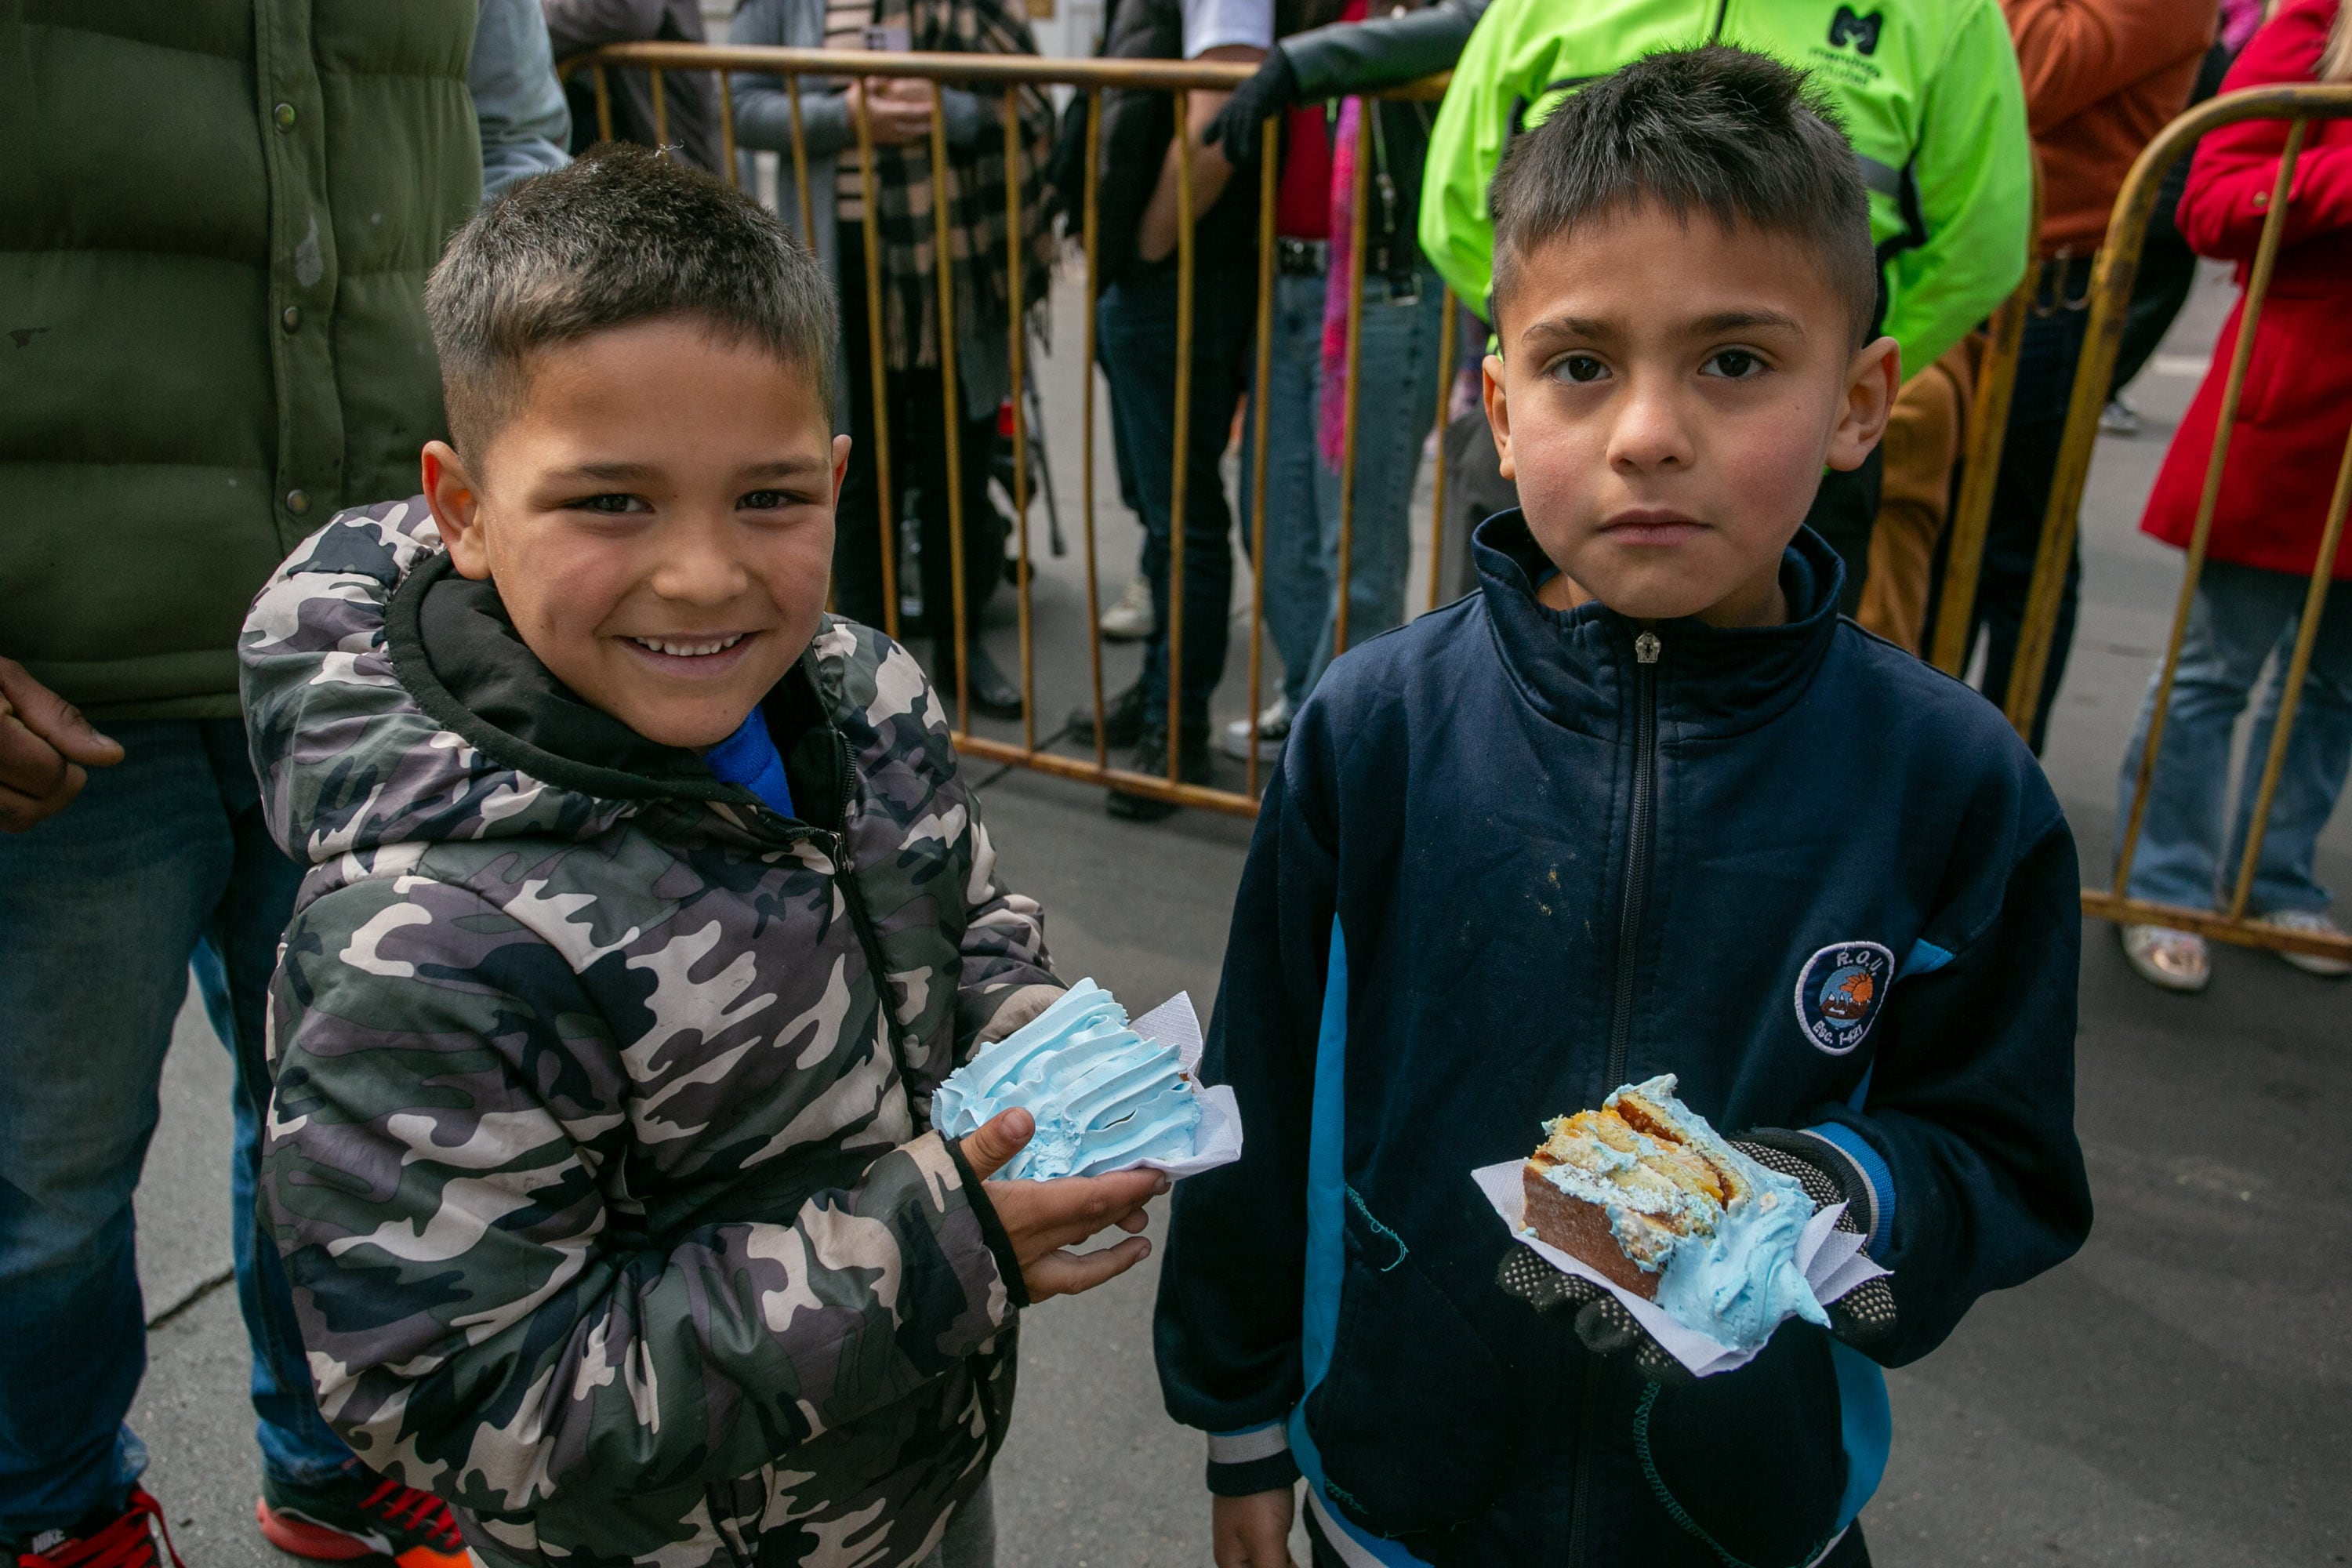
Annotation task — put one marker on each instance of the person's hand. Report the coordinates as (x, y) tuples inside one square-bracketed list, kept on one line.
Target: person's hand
[(1601, 1322), (1044, 1219), (1240, 125), (899, 108), (45, 745), (1252, 1532)]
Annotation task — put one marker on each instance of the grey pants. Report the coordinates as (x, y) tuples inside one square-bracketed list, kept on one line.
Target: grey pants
[(971, 1539)]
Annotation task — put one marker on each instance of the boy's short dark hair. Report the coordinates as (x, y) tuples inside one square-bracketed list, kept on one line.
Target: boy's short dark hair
[(624, 235), (1735, 134)]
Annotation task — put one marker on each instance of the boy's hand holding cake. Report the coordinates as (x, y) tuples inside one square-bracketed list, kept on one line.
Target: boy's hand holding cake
[(1075, 1120)]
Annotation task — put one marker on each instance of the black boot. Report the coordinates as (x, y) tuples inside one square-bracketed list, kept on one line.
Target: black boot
[(993, 694), (1122, 721), (1151, 757)]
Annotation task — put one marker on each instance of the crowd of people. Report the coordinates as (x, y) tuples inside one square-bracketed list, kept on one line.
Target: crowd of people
[(618, 1296)]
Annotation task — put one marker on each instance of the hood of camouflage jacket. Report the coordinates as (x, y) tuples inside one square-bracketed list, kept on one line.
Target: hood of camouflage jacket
[(599, 1153)]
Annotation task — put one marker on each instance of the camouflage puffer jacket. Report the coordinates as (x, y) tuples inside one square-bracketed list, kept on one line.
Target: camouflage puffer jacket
[(599, 1156)]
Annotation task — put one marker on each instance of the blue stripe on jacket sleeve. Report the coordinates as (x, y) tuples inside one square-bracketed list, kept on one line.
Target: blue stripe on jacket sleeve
[(1873, 1168)]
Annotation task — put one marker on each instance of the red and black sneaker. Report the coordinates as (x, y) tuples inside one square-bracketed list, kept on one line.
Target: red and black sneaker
[(358, 1517), (126, 1540)]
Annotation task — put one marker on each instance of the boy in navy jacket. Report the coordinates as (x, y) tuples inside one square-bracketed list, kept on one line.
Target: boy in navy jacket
[(1642, 804)]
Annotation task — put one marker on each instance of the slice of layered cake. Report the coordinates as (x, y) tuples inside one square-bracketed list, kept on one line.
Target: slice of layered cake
[(1649, 1196)]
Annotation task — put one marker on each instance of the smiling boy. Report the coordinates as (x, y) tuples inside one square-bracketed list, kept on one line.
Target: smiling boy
[(646, 910), (1645, 803)]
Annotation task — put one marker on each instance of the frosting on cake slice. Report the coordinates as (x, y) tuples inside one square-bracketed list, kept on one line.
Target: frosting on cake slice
[(1103, 1096), (1648, 1195)]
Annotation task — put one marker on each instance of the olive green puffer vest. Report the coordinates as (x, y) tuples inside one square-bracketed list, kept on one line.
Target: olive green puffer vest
[(215, 220)]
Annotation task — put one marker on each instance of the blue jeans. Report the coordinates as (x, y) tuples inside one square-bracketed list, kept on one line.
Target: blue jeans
[(1135, 343), (1396, 408), (162, 861), (2243, 614)]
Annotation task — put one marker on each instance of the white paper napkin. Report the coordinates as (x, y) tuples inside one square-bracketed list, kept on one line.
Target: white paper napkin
[(1832, 1260)]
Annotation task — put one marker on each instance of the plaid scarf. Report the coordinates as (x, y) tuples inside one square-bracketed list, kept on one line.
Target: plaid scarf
[(976, 190)]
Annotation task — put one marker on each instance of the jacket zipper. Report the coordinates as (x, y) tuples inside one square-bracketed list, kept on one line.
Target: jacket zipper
[(1638, 831), (1647, 649), (835, 843)]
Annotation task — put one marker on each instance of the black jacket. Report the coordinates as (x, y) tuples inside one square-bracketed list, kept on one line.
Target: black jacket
[(1552, 866)]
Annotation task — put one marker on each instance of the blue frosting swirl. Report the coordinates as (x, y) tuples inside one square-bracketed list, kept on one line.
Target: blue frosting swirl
[(1103, 1096)]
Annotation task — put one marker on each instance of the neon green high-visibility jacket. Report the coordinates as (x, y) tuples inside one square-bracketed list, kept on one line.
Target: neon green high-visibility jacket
[(1929, 89)]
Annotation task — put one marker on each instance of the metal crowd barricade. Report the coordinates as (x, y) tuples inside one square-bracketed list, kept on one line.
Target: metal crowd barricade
[(1091, 78), (2111, 288)]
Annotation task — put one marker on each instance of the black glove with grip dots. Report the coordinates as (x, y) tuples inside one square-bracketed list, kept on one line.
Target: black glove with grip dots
[(1866, 1314), (1240, 125), (1602, 1323)]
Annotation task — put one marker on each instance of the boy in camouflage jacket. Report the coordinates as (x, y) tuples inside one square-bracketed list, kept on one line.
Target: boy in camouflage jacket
[(599, 1158)]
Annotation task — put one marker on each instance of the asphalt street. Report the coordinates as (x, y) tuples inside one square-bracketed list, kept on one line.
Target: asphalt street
[(2178, 1393)]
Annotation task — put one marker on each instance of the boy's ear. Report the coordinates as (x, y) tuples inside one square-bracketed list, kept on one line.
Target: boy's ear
[(457, 507), (1873, 376), (840, 466), (1498, 411)]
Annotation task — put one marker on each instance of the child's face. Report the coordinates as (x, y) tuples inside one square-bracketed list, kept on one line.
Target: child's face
[(1665, 398), (658, 520)]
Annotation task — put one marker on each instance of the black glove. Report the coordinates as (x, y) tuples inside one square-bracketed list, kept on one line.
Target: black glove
[(1238, 124), (1602, 1320), (1866, 1314)]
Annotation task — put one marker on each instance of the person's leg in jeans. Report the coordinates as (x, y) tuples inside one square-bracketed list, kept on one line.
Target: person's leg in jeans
[(2029, 463), (1135, 343), (106, 903), (1298, 498), (2233, 623), (1396, 408), (234, 961), (1138, 344), (2311, 776)]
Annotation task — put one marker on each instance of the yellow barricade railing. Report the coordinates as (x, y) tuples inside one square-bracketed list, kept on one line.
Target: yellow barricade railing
[(1090, 77), (2111, 288)]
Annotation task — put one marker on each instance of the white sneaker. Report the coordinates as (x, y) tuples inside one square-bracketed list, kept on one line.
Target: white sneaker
[(2175, 960), (2314, 924), (1130, 618), (1273, 728), (2118, 418)]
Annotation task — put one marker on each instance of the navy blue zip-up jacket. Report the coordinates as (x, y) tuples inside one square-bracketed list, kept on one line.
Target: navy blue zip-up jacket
[(1513, 858)]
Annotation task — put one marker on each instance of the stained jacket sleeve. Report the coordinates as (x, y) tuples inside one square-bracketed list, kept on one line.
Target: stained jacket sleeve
[(1968, 1123), (1354, 57), (1972, 179), (482, 1319), (1226, 1332), (2236, 169)]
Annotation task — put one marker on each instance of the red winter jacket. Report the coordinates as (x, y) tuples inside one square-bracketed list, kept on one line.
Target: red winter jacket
[(2296, 412)]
